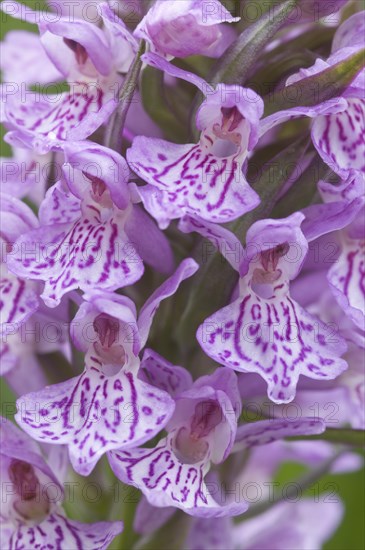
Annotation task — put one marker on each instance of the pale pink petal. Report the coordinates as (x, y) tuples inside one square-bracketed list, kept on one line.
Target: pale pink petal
[(57, 532), (226, 242), (276, 339), (94, 413), (149, 241), (186, 269), (347, 279), (149, 518), (89, 253), (165, 481), (159, 372), (267, 431), (24, 60), (192, 179)]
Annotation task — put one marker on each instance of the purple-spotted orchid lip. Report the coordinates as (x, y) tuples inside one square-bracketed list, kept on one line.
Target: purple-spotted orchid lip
[(206, 179), (202, 430), (264, 330)]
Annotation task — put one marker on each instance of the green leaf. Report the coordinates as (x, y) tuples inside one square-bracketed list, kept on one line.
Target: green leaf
[(273, 178), (171, 535), (156, 105), (303, 191), (301, 484), (234, 65), (315, 89)]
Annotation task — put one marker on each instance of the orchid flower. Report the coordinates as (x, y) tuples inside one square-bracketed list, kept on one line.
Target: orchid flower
[(264, 330), (108, 405), (205, 179), (32, 515)]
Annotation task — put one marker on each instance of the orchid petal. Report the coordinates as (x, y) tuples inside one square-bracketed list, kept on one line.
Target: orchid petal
[(165, 481), (187, 28), (336, 105), (94, 413), (350, 33), (16, 218), (321, 219), (249, 104), (15, 444), (160, 63), (186, 269), (31, 65), (46, 123), (275, 338), (18, 301), (284, 525), (61, 533), (266, 234), (226, 242), (157, 204), (98, 163), (221, 388), (59, 206), (119, 308), (192, 179), (88, 35), (67, 255), (149, 518), (346, 191), (210, 534), (121, 42), (340, 138), (347, 280), (267, 431), (160, 373), (149, 241)]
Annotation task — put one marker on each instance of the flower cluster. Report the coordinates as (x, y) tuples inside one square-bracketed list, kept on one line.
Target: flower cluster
[(182, 265)]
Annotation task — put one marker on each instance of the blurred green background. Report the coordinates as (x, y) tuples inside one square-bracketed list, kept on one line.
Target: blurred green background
[(350, 487)]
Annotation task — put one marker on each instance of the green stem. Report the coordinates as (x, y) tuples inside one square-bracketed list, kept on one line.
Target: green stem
[(114, 132), (235, 64), (316, 89), (346, 436), (299, 486)]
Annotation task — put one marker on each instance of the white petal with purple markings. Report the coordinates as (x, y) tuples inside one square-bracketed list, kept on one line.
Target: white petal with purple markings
[(275, 338), (193, 180), (340, 138), (45, 124), (347, 279), (94, 413), (94, 251), (18, 300), (165, 481), (57, 532)]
